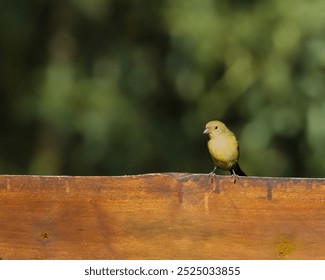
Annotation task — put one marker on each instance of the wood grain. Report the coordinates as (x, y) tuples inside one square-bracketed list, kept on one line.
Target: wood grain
[(161, 216)]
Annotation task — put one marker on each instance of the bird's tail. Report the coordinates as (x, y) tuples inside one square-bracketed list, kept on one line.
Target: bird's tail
[(237, 170)]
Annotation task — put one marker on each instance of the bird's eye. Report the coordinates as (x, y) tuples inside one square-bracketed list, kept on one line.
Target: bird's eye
[(216, 127)]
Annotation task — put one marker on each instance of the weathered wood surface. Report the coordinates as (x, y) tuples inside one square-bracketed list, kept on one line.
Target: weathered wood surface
[(161, 216)]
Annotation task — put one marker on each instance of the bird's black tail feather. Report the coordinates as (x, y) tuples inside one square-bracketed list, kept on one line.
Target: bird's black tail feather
[(237, 171)]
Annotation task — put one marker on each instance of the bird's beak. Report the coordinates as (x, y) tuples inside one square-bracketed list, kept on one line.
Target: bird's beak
[(206, 131)]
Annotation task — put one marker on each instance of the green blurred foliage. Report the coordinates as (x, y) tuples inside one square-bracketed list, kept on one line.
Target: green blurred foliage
[(112, 87)]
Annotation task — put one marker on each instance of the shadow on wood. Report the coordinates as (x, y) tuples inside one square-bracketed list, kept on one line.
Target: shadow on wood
[(161, 216)]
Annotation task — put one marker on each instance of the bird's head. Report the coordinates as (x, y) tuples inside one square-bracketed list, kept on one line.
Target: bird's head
[(215, 128)]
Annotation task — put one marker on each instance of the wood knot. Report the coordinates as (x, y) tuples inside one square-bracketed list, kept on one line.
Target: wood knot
[(284, 246), (45, 236)]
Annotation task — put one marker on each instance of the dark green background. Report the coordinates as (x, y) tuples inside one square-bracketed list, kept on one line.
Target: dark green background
[(111, 87)]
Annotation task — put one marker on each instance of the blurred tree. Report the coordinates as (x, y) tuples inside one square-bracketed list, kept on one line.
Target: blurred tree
[(124, 87)]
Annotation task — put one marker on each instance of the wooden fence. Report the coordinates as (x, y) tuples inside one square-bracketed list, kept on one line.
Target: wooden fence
[(161, 216)]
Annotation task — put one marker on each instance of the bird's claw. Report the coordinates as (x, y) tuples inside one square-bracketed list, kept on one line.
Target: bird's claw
[(212, 175), (235, 177)]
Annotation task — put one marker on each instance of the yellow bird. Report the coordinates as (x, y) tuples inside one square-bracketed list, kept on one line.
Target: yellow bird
[(223, 148)]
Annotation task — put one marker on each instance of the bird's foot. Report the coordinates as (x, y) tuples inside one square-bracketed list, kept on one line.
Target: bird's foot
[(212, 172), (212, 175), (235, 177)]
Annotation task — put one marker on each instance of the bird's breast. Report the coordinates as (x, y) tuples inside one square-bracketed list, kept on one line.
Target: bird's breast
[(224, 151)]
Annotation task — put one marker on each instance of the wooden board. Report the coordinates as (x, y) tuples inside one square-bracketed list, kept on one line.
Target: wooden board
[(161, 216)]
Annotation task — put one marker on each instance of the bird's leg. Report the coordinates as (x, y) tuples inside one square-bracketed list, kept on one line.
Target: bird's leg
[(212, 174), (234, 175)]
